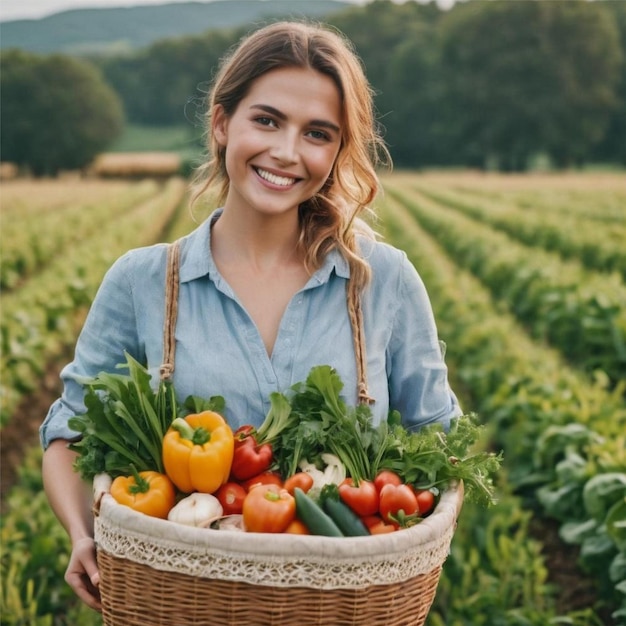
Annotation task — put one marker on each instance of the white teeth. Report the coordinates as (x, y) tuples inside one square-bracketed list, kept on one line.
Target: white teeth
[(283, 181)]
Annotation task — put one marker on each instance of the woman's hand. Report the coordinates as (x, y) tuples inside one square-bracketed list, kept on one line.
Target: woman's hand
[(71, 500), (82, 573)]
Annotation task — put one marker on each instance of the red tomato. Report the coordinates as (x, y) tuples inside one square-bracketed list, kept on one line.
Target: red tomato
[(371, 520), (363, 500), (397, 502), (382, 528), (268, 509), (425, 501), (386, 477), (231, 497), (300, 479), (377, 525), (264, 478)]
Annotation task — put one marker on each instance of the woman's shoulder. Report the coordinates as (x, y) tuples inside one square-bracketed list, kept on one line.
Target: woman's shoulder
[(382, 256), (144, 260), (151, 259), (393, 274)]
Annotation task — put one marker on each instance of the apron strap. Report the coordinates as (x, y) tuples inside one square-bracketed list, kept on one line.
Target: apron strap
[(358, 334), (171, 310)]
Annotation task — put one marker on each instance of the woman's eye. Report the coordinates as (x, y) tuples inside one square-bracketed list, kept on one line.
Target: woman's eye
[(318, 134), (265, 121)]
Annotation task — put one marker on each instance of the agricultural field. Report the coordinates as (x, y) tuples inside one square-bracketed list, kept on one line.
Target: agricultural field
[(527, 276)]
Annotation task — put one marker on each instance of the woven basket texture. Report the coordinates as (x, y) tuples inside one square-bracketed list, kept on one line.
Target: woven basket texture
[(137, 595), (157, 573)]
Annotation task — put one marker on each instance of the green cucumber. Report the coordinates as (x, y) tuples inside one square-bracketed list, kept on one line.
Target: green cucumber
[(350, 524), (313, 517)]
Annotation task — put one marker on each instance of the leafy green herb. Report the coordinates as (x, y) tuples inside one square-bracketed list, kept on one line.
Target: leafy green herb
[(196, 404), (278, 418), (320, 421), (431, 457), (126, 420)]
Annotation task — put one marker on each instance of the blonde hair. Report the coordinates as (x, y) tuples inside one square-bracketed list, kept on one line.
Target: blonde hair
[(330, 219)]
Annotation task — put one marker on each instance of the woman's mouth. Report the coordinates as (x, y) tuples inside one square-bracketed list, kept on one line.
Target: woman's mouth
[(274, 179)]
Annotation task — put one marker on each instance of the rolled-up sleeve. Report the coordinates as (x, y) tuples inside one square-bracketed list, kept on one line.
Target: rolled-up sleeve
[(109, 330)]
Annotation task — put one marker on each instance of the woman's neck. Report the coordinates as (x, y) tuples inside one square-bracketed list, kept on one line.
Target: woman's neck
[(262, 242)]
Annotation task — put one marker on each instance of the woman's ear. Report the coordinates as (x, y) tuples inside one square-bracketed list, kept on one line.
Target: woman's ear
[(219, 125)]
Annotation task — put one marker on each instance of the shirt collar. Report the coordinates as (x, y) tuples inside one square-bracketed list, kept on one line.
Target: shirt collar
[(334, 261), (197, 260)]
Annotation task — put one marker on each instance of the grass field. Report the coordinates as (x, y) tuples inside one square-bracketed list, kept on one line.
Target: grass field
[(186, 140)]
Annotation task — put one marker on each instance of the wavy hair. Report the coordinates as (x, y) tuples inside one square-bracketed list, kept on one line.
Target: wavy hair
[(332, 218)]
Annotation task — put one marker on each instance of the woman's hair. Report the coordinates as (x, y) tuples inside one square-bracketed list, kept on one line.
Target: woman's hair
[(330, 219)]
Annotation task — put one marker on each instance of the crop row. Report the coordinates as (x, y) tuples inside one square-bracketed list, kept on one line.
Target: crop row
[(41, 318), (29, 242), (23, 198), (597, 246), (598, 198), (563, 436), (581, 313)]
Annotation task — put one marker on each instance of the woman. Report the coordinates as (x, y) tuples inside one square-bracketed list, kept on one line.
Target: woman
[(283, 277)]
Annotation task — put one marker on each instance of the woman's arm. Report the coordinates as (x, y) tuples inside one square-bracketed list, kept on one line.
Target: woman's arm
[(418, 386), (71, 500)]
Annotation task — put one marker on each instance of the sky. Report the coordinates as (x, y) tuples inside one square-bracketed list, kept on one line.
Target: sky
[(32, 9)]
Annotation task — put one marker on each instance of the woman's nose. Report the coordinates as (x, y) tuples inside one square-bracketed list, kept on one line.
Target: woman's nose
[(285, 147)]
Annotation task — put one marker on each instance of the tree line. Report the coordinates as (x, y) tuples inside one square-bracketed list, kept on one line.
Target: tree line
[(485, 84)]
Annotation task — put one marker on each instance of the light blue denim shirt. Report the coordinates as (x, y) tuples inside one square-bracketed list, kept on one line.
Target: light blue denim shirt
[(220, 352)]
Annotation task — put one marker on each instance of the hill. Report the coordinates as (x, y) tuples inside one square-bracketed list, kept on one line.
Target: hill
[(119, 29)]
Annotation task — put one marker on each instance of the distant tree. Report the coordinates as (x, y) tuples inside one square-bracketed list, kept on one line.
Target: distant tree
[(612, 148), (529, 77), (399, 49), (157, 84), (377, 28), (57, 112), (411, 100)]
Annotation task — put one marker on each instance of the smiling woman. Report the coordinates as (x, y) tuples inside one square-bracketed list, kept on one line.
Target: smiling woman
[(283, 141), (283, 276), (283, 137)]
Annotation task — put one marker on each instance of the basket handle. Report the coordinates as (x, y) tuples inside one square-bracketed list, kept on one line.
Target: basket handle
[(355, 313), (461, 491)]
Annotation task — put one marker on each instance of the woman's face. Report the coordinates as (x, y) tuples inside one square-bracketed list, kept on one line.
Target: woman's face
[(281, 141)]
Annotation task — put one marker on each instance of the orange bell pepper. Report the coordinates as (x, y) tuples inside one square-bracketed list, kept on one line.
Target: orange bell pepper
[(297, 527), (147, 492), (198, 452)]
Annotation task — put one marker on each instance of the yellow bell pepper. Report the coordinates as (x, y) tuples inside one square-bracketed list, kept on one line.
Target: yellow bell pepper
[(148, 492), (198, 452)]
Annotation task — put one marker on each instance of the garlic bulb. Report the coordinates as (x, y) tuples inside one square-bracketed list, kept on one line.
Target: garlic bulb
[(197, 509)]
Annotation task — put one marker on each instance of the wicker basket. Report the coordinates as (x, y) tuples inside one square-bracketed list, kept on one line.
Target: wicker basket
[(154, 572)]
